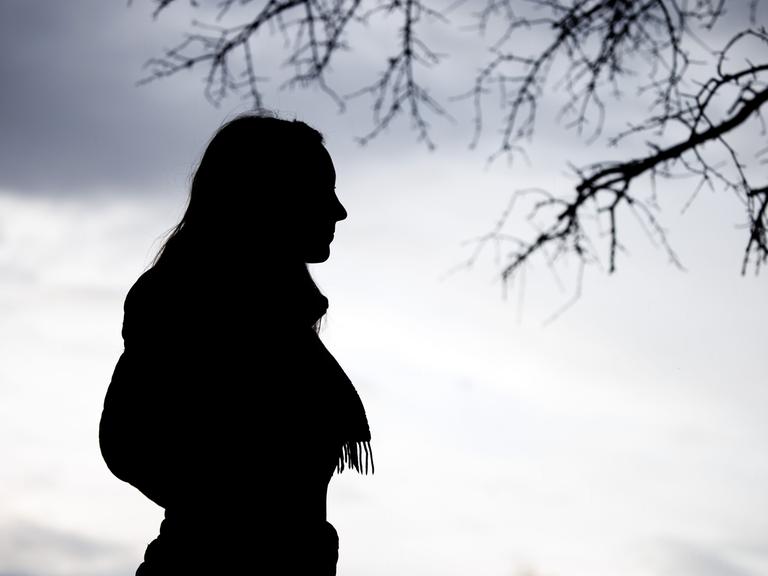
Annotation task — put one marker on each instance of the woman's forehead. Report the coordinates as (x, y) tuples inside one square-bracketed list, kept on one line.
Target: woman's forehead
[(321, 164)]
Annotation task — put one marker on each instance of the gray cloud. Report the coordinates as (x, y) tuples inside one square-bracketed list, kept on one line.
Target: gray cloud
[(72, 118), (28, 548), (689, 559), (74, 121)]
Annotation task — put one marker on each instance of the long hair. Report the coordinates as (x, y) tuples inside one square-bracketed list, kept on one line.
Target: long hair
[(239, 171), (240, 180)]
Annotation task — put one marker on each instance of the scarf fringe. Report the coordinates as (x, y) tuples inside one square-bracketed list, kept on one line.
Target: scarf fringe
[(356, 455)]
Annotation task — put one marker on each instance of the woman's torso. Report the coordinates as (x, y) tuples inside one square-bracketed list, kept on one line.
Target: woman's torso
[(220, 407)]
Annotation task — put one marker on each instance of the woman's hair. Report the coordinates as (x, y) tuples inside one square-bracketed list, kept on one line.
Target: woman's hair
[(238, 177)]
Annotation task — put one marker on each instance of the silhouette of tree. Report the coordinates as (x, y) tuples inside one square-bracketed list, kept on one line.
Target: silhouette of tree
[(699, 97)]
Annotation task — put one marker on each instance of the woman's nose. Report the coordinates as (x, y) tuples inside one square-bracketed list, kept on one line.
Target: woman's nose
[(340, 212)]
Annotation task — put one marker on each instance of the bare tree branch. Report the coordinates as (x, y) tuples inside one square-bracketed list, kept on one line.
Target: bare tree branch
[(397, 87), (587, 51), (316, 31), (603, 188)]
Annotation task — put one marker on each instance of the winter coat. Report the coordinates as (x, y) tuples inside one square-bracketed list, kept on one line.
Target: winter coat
[(226, 409)]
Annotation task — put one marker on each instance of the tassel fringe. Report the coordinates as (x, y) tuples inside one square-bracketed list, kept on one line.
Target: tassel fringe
[(355, 455)]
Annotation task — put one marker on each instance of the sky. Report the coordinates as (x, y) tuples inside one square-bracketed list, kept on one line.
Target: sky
[(628, 436)]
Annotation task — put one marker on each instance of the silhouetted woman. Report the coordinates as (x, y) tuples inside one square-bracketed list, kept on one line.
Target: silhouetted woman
[(225, 408)]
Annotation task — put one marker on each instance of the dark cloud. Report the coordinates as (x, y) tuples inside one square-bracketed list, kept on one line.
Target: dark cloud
[(72, 118), (73, 121)]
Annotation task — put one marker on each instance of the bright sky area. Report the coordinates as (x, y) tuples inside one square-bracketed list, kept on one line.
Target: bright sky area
[(626, 437)]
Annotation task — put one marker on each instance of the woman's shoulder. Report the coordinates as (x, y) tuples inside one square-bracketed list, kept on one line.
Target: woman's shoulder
[(142, 287), (161, 285), (149, 303)]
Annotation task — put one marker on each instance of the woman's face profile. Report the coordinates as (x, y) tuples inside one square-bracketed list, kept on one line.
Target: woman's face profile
[(318, 207)]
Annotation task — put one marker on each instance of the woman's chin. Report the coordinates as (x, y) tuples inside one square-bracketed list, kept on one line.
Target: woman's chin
[(318, 255)]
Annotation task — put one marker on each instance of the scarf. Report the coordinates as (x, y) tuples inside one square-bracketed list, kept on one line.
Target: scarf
[(345, 419), (287, 300)]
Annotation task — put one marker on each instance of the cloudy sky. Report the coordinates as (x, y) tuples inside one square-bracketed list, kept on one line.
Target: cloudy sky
[(627, 437)]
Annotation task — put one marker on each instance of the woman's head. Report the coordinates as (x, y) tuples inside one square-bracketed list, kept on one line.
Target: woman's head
[(265, 186)]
